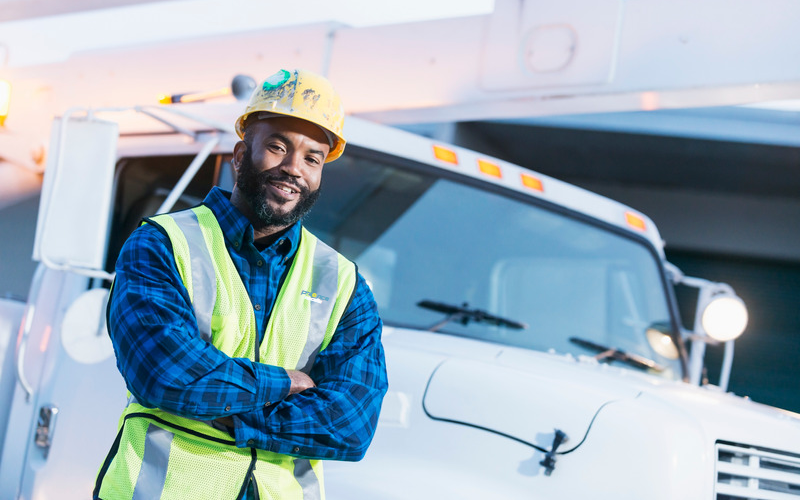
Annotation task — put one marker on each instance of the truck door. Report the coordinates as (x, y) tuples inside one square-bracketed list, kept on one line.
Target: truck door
[(66, 405)]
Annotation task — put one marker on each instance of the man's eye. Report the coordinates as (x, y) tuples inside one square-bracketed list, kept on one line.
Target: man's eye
[(278, 148), (313, 160)]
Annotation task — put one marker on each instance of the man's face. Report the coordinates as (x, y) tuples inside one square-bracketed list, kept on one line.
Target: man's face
[(279, 169)]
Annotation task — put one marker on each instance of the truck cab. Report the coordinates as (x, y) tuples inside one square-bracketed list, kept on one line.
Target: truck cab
[(533, 341)]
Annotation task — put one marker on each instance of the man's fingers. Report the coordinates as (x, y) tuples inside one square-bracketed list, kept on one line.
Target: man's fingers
[(300, 381)]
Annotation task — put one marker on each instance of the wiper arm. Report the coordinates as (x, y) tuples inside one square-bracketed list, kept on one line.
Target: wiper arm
[(605, 352), (465, 315)]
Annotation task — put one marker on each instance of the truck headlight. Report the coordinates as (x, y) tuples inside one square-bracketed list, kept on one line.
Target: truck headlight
[(661, 342), (724, 318)]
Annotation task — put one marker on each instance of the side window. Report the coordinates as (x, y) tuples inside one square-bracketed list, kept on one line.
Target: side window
[(142, 184)]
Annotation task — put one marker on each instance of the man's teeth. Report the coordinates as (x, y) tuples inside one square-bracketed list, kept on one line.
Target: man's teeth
[(286, 189)]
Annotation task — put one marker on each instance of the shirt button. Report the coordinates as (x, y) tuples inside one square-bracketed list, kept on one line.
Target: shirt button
[(250, 442), (297, 449), (268, 403), (236, 244), (258, 307), (260, 263), (228, 408)]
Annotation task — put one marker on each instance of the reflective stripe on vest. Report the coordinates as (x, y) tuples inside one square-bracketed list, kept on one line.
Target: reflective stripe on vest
[(325, 273), (153, 474), (307, 478), (307, 310), (204, 283)]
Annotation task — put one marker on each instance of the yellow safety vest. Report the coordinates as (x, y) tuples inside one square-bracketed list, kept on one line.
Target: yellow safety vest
[(158, 455)]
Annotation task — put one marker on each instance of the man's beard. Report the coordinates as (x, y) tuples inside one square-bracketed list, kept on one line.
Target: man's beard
[(253, 187)]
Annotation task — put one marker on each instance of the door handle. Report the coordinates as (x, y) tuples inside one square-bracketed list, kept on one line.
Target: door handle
[(45, 427)]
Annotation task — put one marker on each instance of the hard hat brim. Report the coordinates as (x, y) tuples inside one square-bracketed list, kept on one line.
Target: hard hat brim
[(338, 141)]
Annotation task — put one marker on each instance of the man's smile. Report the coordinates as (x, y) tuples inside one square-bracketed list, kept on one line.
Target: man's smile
[(288, 191)]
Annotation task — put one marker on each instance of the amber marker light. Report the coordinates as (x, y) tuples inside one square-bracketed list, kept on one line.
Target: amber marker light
[(490, 168), (532, 182), (5, 99), (445, 154), (635, 221)]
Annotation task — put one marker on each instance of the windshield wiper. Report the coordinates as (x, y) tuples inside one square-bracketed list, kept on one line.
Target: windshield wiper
[(465, 315), (605, 352)]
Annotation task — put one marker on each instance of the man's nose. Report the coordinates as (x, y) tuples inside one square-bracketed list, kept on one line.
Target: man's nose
[(292, 164)]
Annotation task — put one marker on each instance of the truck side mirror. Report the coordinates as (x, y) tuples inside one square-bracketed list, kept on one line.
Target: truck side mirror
[(75, 207)]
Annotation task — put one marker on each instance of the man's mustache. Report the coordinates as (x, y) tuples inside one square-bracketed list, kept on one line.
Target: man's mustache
[(265, 177)]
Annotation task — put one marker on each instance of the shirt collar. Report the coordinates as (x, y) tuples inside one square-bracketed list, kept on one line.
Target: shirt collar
[(237, 228)]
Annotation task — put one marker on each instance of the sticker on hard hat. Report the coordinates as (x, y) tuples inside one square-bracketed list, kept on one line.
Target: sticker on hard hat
[(276, 80)]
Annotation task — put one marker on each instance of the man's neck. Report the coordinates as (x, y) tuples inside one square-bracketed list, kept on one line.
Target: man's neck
[(263, 238)]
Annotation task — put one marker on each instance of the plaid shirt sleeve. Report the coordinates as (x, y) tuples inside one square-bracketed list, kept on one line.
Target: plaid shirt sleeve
[(336, 419), (159, 352)]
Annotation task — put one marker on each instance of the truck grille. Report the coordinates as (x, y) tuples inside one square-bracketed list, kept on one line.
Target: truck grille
[(749, 472)]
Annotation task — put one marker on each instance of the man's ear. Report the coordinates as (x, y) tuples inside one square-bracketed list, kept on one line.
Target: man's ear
[(239, 150)]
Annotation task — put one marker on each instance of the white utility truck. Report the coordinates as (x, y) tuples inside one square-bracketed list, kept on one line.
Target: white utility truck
[(532, 336)]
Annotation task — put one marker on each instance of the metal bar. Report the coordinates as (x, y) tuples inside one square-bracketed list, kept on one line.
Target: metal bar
[(759, 473), (757, 452), (727, 364), (148, 110), (166, 122), (698, 350), (752, 494), (188, 175)]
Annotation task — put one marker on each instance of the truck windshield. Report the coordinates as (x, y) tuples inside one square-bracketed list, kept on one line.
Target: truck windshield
[(417, 237)]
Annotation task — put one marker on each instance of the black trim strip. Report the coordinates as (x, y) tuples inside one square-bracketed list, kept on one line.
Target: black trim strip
[(248, 477), (149, 220), (107, 463), (503, 434), (115, 448), (352, 292), (179, 427)]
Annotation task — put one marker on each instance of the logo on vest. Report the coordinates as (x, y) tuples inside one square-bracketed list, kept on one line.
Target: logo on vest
[(313, 296)]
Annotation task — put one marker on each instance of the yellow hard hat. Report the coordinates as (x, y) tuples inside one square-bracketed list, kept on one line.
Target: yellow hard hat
[(304, 95)]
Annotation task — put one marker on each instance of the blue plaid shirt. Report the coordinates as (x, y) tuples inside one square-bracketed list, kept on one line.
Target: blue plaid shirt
[(167, 365)]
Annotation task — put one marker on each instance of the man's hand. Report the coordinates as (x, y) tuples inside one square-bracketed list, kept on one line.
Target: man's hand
[(300, 381)]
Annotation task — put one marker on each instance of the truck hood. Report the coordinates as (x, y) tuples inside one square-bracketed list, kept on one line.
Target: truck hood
[(527, 395), (521, 398)]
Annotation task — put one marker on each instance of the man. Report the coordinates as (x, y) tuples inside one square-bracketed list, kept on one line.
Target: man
[(251, 349)]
